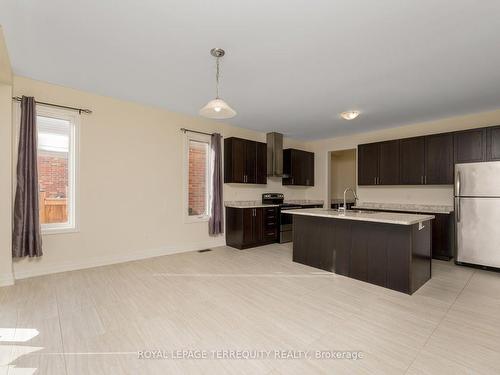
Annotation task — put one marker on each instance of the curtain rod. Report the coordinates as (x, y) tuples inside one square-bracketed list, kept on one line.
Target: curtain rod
[(195, 131), (80, 110)]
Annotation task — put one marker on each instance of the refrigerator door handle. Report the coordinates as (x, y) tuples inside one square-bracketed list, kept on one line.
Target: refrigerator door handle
[(457, 184), (457, 208)]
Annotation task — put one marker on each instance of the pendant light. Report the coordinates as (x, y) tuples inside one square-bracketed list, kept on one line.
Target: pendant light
[(217, 108)]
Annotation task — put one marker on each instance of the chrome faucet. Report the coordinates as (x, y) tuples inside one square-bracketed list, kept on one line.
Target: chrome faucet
[(355, 198)]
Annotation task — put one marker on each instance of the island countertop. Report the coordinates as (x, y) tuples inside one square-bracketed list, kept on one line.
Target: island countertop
[(371, 216)]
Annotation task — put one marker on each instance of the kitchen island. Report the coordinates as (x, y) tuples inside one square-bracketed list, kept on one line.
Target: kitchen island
[(392, 250)]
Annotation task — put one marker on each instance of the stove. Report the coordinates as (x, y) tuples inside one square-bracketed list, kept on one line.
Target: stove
[(285, 222)]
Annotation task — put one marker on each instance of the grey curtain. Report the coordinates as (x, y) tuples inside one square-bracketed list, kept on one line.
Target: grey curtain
[(26, 237), (216, 221)]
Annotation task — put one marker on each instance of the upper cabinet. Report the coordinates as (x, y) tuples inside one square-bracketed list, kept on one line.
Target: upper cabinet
[(439, 159), (368, 164), (245, 161), (470, 146), (493, 144), (378, 163), (427, 160), (424, 160), (298, 167), (412, 162), (388, 170)]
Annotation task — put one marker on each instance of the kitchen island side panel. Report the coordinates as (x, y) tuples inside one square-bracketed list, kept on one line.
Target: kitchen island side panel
[(313, 242), (388, 255), (421, 264)]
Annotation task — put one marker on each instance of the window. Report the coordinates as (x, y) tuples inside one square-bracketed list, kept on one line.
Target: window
[(197, 179), (57, 133)]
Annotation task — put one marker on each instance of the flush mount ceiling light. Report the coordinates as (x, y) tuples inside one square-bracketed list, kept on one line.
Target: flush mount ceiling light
[(349, 115), (217, 108)]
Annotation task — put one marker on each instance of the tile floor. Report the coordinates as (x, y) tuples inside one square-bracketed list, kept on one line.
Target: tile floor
[(96, 321)]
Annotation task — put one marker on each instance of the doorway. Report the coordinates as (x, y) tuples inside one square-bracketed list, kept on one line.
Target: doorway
[(342, 176)]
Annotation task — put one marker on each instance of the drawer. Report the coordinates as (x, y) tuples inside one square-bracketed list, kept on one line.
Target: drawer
[(270, 234)]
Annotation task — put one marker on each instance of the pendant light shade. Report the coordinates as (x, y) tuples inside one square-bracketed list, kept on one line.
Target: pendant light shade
[(217, 108)]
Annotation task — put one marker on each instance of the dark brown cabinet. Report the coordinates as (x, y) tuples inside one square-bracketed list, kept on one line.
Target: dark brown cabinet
[(426, 160), (378, 163), (245, 161), (493, 144), (250, 227), (261, 163), (470, 146), (412, 161), (368, 156), (389, 173), (443, 236), (439, 159), (298, 167)]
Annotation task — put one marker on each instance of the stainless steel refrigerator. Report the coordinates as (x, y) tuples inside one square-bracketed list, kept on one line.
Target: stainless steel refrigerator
[(477, 213)]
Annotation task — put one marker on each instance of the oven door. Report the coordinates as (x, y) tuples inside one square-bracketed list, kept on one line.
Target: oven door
[(286, 225)]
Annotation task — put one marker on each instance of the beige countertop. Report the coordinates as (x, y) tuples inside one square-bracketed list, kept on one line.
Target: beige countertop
[(303, 201), (247, 204), (427, 208), (372, 216), (258, 203)]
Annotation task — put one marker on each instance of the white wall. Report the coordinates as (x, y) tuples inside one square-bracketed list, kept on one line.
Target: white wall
[(5, 185), (131, 183), (394, 194), (5, 165)]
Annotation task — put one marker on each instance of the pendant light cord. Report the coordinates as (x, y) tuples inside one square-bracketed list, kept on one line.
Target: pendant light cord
[(217, 78)]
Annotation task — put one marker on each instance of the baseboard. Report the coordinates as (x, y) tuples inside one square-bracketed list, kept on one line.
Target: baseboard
[(115, 258), (6, 279)]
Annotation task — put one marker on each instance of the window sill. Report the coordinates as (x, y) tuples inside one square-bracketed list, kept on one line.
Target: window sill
[(61, 230), (194, 220)]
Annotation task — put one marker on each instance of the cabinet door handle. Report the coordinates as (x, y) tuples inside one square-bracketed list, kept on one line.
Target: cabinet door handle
[(374, 180)]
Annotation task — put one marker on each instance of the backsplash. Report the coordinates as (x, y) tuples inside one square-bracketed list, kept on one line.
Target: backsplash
[(241, 192), (436, 195)]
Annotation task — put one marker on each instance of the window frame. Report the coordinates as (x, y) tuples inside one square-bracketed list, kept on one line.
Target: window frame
[(205, 139), (72, 226)]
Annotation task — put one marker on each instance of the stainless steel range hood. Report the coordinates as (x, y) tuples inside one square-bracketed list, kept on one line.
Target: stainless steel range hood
[(275, 154)]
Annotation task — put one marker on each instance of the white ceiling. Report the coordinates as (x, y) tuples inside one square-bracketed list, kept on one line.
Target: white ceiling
[(292, 65)]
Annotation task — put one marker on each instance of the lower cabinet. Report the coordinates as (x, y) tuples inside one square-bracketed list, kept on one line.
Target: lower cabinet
[(443, 236), (250, 227)]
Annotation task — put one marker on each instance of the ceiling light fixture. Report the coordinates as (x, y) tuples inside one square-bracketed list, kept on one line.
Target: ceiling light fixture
[(217, 108), (349, 115)]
